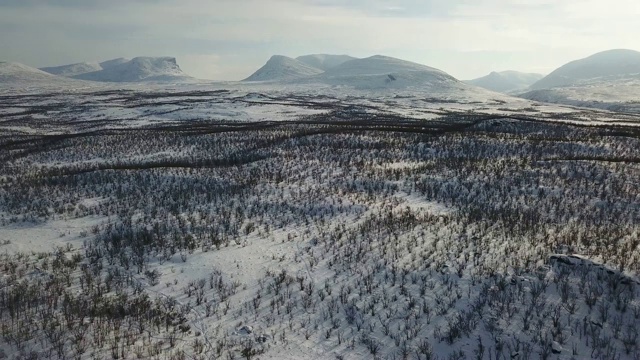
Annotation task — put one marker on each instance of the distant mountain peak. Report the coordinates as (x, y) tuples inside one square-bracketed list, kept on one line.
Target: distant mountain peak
[(280, 67), (142, 68), (506, 81), (605, 64), (381, 65), (16, 73), (374, 72), (73, 69)]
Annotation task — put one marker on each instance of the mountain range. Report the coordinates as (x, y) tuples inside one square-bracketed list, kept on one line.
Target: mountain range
[(123, 70), (605, 79), (608, 80)]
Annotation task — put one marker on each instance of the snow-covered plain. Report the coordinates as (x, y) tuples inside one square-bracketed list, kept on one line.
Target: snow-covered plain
[(322, 221)]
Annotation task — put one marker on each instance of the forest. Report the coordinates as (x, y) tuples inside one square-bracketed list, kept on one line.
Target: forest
[(346, 233)]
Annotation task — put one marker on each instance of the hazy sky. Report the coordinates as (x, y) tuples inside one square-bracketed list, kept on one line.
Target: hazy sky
[(229, 39)]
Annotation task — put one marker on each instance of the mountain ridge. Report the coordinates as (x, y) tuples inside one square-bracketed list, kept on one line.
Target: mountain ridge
[(71, 70), (610, 63), (509, 81), (374, 72), (324, 62), (12, 71), (138, 69), (280, 67)]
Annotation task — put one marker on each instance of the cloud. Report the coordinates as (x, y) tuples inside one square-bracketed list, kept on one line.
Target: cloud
[(464, 37)]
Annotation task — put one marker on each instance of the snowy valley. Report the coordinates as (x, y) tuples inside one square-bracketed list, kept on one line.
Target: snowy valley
[(327, 207)]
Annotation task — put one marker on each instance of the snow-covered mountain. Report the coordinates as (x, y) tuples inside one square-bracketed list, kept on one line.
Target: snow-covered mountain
[(379, 65), (113, 62), (605, 65), (607, 80), (16, 72), (283, 68), (73, 69), (613, 94), (324, 62), (123, 70), (22, 78), (375, 72), (160, 69), (506, 81)]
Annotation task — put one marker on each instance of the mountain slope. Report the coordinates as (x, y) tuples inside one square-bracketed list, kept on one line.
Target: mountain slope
[(506, 81), (161, 69), (283, 68), (377, 72), (111, 63), (16, 72), (73, 69), (606, 64), (20, 78), (324, 62), (615, 94), (380, 65)]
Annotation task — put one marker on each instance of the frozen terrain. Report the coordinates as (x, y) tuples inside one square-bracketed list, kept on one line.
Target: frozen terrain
[(341, 217)]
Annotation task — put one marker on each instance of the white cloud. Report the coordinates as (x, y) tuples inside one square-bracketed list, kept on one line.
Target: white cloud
[(227, 39)]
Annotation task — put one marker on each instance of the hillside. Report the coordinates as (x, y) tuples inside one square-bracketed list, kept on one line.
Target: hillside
[(158, 69), (16, 75), (615, 95), (73, 69), (603, 65), (506, 81), (324, 62), (379, 71), (380, 65), (283, 68), (110, 63), (374, 73), (16, 72)]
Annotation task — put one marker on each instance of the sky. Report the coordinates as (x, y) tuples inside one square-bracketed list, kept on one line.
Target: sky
[(229, 39)]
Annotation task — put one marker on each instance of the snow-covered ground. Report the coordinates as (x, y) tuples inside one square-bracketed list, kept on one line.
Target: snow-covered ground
[(610, 94), (299, 221)]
